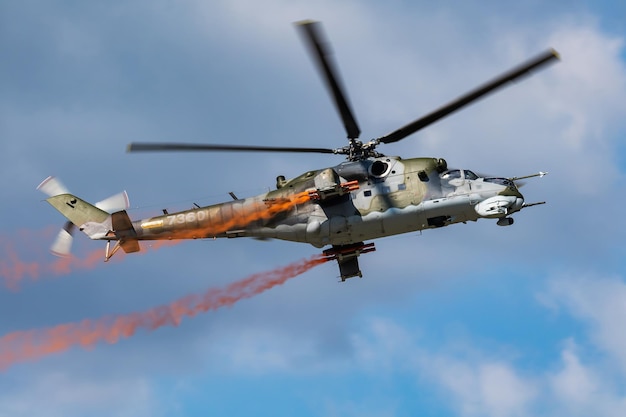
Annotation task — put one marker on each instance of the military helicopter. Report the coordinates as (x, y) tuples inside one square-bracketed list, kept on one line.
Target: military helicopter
[(367, 196)]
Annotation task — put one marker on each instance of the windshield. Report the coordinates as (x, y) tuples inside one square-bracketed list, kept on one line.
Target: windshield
[(452, 174), (500, 181), (469, 175), (457, 173)]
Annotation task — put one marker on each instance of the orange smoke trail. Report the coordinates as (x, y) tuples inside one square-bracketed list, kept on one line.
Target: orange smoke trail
[(13, 269), (15, 266), (27, 345), (259, 211)]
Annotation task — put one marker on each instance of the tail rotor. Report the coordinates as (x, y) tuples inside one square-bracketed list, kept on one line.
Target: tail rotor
[(62, 245)]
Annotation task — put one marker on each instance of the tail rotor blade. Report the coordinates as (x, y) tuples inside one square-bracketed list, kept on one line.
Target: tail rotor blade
[(114, 203), (62, 245), (52, 186)]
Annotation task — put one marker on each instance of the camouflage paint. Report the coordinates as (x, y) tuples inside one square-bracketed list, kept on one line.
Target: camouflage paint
[(394, 196)]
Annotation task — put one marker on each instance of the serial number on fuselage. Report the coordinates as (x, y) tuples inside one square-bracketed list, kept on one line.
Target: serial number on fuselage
[(189, 217)]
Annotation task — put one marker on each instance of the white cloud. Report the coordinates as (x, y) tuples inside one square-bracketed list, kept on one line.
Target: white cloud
[(473, 381), (262, 351), (599, 302), (60, 394), (577, 388), (584, 387), (574, 384), (482, 387), (479, 382), (474, 385), (383, 347)]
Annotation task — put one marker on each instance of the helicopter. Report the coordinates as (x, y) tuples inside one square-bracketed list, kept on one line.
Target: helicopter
[(367, 196)]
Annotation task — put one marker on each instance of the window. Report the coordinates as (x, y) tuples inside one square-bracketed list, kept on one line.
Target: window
[(469, 175), (500, 181), (450, 175)]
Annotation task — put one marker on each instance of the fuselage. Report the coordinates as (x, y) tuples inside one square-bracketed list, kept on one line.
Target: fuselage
[(393, 196)]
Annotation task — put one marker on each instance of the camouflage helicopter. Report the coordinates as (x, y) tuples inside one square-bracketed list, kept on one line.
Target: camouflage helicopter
[(367, 196)]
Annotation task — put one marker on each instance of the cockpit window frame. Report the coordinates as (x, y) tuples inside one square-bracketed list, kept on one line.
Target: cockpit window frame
[(469, 175), (500, 181), (451, 174)]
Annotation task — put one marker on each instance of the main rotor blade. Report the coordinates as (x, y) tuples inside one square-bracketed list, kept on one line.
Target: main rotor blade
[(191, 147), (511, 75), (319, 49)]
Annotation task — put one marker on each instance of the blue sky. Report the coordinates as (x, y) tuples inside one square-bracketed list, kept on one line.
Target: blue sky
[(469, 320)]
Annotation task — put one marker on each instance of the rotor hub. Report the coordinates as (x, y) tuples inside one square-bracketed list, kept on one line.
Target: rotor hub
[(357, 150)]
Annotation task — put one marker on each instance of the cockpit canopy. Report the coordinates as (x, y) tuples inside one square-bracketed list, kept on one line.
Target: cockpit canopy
[(501, 181), (459, 173), (469, 175)]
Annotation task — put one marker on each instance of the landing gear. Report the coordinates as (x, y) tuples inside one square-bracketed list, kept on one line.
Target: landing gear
[(108, 253)]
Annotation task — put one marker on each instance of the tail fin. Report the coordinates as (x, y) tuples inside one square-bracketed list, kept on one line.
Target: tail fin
[(62, 245), (91, 220), (97, 223)]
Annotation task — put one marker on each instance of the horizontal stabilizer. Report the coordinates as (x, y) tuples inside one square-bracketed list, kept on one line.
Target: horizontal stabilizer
[(130, 245), (125, 232)]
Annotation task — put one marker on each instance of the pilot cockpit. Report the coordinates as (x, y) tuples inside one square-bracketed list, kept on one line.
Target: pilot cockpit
[(451, 174), (457, 181), (469, 175), (458, 173), (501, 181)]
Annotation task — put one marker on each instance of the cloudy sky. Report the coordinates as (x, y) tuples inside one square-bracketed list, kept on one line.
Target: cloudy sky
[(469, 320)]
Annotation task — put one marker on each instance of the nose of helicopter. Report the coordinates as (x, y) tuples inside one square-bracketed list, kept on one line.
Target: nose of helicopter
[(500, 205), (518, 204), (514, 197)]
